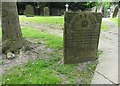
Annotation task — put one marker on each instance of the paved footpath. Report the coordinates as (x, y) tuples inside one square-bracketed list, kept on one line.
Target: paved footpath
[(107, 69)]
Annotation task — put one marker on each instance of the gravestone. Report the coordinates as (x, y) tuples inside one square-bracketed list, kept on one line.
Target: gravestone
[(100, 9), (0, 9), (46, 11), (107, 13), (94, 9), (81, 36), (118, 15), (29, 11), (111, 10), (115, 11)]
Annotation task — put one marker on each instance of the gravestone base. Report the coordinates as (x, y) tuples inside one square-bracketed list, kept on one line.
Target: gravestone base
[(81, 36), (81, 59), (29, 15)]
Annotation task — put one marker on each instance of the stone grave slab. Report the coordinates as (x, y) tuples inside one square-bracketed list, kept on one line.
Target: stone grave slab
[(94, 9), (118, 14), (29, 11), (100, 9), (81, 36), (46, 11), (115, 11)]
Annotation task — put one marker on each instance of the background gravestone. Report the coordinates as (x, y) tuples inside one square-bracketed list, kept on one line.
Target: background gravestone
[(100, 9), (0, 9), (46, 11), (111, 10), (29, 11), (118, 14), (115, 11), (81, 36), (94, 9)]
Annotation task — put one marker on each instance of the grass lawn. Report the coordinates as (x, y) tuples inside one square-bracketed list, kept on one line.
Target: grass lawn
[(42, 19), (51, 41), (116, 21)]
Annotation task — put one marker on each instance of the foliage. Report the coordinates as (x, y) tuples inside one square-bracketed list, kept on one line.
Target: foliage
[(81, 5), (59, 5), (106, 5)]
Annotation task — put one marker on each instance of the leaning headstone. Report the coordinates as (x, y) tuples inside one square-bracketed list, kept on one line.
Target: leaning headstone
[(94, 9), (29, 11), (118, 15), (81, 36), (46, 11), (115, 11)]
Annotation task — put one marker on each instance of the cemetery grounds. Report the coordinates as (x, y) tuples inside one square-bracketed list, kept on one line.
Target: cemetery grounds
[(43, 63)]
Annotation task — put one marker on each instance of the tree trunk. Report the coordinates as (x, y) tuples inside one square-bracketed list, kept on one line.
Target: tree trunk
[(12, 39)]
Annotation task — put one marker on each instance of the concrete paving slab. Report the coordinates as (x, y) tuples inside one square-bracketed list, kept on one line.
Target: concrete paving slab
[(99, 79), (108, 61)]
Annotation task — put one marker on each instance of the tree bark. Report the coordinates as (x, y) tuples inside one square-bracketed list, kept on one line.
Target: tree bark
[(12, 39)]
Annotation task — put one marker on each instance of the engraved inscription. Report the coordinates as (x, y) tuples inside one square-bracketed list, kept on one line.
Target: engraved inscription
[(84, 24)]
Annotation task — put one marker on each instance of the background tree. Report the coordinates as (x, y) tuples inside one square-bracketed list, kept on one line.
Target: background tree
[(58, 5), (12, 39)]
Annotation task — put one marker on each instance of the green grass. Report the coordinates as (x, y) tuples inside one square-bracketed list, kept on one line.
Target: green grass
[(42, 19), (104, 27), (48, 71), (116, 21), (51, 41), (35, 72), (32, 73)]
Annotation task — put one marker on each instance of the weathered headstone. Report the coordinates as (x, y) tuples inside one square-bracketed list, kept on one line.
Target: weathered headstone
[(115, 11), (118, 15), (100, 9), (111, 10), (94, 9), (81, 36), (29, 11), (46, 11)]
